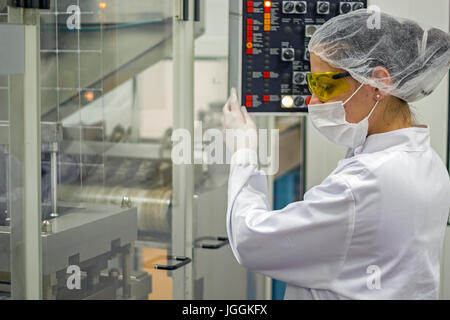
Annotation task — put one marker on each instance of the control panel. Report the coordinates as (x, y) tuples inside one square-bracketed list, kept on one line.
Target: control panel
[(275, 57)]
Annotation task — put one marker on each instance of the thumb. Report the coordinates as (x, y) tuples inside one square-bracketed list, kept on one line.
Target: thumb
[(246, 115)]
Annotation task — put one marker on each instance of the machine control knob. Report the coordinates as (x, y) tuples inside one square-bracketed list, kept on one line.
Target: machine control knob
[(288, 7), (299, 78), (346, 7), (300, 7), (299, 101), (307, 55), (288, 54), (323, 7), (357, 6)]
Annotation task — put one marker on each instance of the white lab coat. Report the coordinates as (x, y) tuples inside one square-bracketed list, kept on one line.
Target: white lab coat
[(373, 229)]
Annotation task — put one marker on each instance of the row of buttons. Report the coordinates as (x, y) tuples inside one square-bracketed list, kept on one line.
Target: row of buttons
[(322, 7)]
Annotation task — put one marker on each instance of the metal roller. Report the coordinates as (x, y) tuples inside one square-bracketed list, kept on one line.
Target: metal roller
[(153, 205)]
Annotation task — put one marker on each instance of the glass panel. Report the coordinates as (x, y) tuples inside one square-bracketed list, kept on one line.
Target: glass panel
[(213, 268), (106, 95)]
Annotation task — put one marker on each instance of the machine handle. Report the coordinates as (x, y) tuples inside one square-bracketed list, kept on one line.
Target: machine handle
[(197, 10), (185, 10), (223, 241), (183, 261)]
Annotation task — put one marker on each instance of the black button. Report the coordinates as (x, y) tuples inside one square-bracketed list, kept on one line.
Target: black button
[(346, 7), (288, 7), (298, 54), (287, 30), (286, 77), (298, 30)]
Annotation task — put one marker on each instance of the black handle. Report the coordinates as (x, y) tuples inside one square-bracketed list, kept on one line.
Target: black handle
[(197, 10), (185, 10), (183, 261), (223, 241)]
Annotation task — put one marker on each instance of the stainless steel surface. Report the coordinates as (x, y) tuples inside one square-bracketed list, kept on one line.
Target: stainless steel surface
[(153, 205), (25, 163), (51, 132), (146, 150), (87, 232), (13, 48), (54, 179)]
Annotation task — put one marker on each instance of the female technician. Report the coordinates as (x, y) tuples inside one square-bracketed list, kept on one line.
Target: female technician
[(374, 228)]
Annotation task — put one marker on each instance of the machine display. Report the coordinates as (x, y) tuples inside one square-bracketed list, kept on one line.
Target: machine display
[(274, 50)]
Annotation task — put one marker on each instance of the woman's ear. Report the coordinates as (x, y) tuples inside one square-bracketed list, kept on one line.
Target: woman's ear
[(381, 76)]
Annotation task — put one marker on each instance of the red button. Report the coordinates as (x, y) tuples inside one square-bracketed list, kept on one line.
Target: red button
[(249, 3), (266, 10), (250, 9), (266, 74), (250, 51), (308, 100), (248, 101), (250, 28), (249, 21), (266, 98)]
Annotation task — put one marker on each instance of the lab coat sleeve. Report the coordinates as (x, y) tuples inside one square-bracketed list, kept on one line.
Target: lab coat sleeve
[(305, 243)]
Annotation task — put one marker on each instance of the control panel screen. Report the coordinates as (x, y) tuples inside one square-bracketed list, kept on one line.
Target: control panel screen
[(275, 57)]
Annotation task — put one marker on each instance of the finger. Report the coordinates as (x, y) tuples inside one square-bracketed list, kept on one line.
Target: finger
[(246, 115), (234, 101), (226, 107)]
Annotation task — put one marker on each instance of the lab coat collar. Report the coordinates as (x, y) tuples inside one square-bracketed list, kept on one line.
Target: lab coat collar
[(415, 138)]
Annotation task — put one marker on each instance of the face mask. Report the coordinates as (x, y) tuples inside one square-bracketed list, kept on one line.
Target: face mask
[(329, 119)]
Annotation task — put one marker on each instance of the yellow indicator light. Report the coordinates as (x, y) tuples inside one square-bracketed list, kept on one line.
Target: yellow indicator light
[(102, 5), (89, 96), (287, 102), (249, 45), (268, 4)]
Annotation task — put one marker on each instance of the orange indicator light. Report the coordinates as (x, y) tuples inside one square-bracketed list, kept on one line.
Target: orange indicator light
[(102, 5)]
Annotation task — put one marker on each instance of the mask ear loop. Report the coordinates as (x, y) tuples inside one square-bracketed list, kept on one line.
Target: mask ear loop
[(357, 90)]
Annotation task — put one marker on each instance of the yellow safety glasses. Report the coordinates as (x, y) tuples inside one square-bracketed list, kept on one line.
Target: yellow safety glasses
[(327, 85)]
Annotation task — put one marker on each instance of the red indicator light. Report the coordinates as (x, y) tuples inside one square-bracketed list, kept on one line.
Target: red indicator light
[(267, 4), (266, 98), (248, 101), (308, 100), (266, 9), (266, 74), (250, 10), (249, 3), (249, 21), (250, 51)]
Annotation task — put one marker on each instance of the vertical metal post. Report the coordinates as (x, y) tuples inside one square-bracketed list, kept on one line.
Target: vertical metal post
[(54, 178), (183, 175), (126, 271), (25, 164)]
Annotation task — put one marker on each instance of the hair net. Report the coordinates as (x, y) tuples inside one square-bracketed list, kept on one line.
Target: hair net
[(416, 57)]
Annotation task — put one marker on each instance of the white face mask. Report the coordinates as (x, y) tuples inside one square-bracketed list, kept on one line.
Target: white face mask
[(329, 119)]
